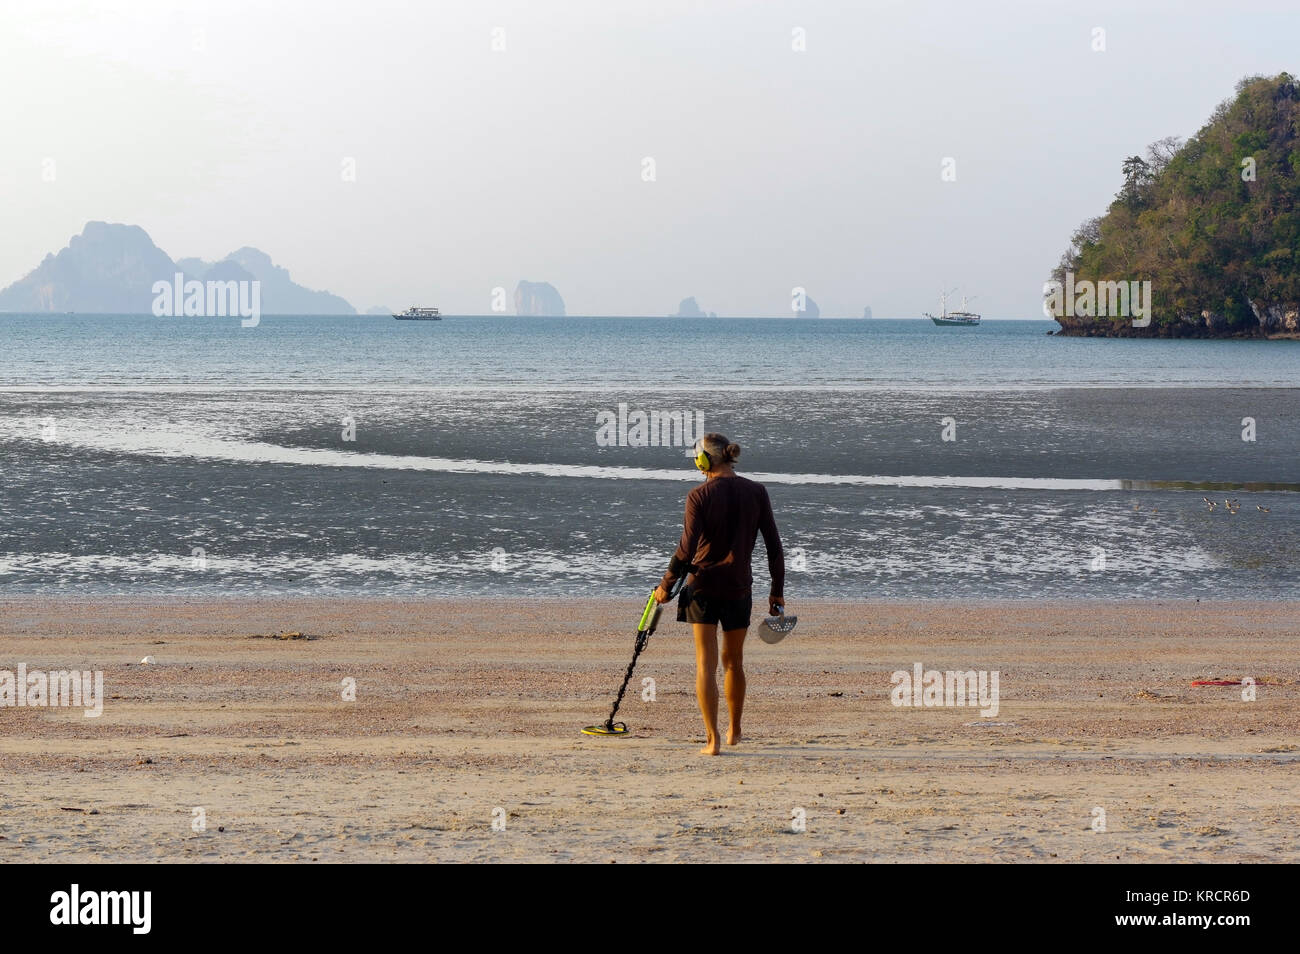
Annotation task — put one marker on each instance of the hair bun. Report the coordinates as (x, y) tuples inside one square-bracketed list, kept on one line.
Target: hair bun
[(733, 451)]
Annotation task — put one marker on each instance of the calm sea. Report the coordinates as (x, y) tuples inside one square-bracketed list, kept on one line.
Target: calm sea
[(542, 353), (366, 456)]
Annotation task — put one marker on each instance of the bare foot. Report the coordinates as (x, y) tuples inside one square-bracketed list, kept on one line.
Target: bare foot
[(733, 736), (712, 748)]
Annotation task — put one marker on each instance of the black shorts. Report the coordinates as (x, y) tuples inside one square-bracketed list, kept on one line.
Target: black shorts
[(695, 607)]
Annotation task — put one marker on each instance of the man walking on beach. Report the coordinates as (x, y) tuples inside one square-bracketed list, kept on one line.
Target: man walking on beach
[(724, 516)]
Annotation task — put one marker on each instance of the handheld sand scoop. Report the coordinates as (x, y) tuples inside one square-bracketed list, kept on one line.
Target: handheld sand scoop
[(649, 620), (778, 627)]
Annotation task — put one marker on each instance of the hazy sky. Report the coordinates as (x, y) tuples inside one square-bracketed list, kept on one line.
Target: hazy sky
[(217, 125)]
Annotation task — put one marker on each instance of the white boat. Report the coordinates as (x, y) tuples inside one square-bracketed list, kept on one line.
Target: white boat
[(419, 314)]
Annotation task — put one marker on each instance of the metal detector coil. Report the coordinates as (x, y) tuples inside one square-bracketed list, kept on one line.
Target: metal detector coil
[(619, 728)]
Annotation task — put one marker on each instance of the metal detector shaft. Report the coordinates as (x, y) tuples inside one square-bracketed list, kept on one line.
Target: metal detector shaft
[(644, 630), (649, 620)]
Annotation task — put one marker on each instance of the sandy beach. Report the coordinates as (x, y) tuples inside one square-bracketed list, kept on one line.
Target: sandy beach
[(462, 743)]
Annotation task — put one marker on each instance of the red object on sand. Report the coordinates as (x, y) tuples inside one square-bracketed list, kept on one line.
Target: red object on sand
[(1217, 682)]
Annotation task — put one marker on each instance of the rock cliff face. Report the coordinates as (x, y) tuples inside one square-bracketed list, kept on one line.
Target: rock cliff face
[(1274, 321), (107, 268), (810, 309), (112, 268), (538, 298), (689, 308), (281, 295), (1277, 319)]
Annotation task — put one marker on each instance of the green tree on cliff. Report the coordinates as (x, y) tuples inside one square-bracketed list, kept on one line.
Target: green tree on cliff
[(1213, 223)]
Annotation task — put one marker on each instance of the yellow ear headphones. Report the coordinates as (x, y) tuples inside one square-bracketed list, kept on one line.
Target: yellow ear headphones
[(703, 462)]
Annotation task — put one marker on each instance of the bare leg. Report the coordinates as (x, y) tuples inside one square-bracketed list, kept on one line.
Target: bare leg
[(733, 666), (706, 682)]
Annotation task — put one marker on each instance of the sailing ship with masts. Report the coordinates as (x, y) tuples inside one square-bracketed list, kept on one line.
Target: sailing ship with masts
[(962, 316)]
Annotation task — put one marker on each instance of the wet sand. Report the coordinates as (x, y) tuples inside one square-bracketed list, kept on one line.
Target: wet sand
[(467, 714)]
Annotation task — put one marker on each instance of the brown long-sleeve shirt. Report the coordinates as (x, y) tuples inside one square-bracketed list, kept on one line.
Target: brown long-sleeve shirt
[(724, 516)]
